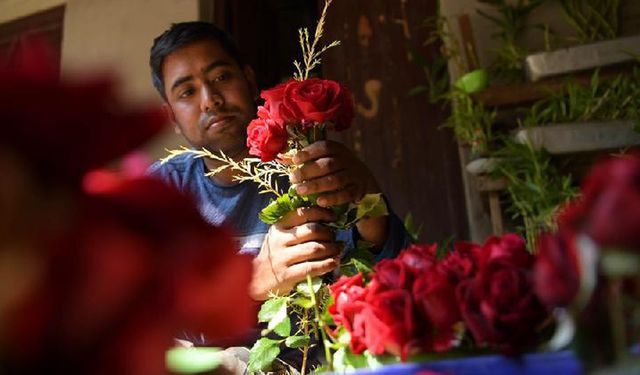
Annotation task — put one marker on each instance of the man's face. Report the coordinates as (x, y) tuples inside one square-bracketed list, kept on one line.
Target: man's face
[(210, 97)]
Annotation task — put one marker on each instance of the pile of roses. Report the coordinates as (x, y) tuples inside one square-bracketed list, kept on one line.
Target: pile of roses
[(497, 294), (299, 106), (429, 300)]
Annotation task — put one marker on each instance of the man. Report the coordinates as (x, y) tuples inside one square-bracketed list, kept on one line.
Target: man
[(210, 95)]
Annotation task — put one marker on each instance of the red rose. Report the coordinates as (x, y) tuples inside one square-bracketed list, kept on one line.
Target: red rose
[(389, 322), (498, 305), (266, 138), (609, 209), (510, 248), (312, 100), (418, 258), (275, 108), (556, 273), (348, 296), (462, 263), (435, 299), (392, 274)]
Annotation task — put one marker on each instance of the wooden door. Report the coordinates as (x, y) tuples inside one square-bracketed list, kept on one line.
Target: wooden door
[(47, 24), (398, 136)]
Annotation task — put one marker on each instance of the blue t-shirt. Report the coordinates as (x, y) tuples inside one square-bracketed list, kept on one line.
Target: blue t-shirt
[(238, 206)]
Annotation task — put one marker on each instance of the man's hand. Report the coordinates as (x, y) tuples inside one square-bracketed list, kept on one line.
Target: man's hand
[(296, 246), (331, 170)]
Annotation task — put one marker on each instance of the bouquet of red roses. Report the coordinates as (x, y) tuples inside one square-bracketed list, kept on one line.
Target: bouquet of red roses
[(297, 113), (435, 299)]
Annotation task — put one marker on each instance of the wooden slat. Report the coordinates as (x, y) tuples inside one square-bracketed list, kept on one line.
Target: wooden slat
[(514, 95)]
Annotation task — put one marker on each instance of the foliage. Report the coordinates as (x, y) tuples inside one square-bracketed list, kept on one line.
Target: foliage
[(592, 20), (617, 98), (512, 21), (412, 231), (471, 122), (536, 188), (437, 71)]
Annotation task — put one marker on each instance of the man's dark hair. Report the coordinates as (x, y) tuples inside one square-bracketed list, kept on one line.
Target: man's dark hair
[(181, 34)]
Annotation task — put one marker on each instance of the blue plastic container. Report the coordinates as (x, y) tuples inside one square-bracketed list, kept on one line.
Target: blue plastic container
[(564, 363)]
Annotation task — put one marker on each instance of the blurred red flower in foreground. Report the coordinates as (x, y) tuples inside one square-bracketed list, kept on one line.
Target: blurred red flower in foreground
[(129, 262), (608, 210), (64, 129)]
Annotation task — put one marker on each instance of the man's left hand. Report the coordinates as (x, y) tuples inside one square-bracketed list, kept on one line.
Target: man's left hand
[(331, 170)]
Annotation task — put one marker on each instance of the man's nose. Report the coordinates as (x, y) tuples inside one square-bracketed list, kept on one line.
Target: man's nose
[(211, 99)]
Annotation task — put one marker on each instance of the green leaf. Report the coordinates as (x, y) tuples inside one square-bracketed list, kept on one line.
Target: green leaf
[(192, 360), (303, 302), (263, 353), (444, 248), (376, 361), (358, 260), (297, 341), (283, 328), (277, 315), (372, 205), (344, 337), (418, 90), (285, 203), (276, 209), (362, 266), (345, 361), (272, 307), (303, 288)]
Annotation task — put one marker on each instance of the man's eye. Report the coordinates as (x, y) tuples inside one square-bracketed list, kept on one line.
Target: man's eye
[(221, 77), (186, 93)]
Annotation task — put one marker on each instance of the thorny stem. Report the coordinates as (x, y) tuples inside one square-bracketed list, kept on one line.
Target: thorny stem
[(305, 349), (319, 326)]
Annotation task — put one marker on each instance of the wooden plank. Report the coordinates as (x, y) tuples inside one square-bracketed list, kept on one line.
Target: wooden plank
[(574, 59), (580, 137), (487, 183), (524, 93), (496, 213)]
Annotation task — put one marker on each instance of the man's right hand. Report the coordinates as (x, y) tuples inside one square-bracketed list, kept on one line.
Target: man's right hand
[(296, 246)]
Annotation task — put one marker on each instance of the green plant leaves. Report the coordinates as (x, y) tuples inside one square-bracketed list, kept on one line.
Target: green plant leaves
[(297, 341), (371, 205), (263, 353), (360, 260), (303, 288), (274, 311), (303, 302), (272, 307)]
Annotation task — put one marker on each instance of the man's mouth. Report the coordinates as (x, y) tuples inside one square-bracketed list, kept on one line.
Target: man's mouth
[(218, 121)]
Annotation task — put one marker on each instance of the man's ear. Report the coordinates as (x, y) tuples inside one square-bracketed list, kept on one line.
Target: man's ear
[(171, 116), (251, 78)]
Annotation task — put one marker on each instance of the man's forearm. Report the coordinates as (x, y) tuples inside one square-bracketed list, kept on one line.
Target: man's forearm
[(374, 230)]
